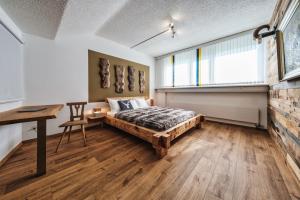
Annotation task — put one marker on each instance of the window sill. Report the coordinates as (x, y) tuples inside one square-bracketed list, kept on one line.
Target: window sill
[(241, 88)]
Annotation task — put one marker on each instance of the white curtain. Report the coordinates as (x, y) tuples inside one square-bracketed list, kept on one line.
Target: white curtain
[(164, 72), (234, 61), (185, 68), (236, 45), (228, 61)]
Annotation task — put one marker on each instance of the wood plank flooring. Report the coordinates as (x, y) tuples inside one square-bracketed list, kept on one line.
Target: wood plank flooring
[(216, 162)]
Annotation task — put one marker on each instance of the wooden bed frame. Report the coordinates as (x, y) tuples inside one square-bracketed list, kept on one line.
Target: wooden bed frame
[(160, 140)]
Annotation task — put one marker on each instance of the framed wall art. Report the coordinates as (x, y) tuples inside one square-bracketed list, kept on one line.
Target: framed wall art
[(288, 43)]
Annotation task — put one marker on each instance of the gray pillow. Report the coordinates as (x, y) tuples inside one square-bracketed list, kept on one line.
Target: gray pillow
[(125, 105)]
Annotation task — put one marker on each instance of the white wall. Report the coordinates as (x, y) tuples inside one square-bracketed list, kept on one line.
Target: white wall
[(56, 71), (230, 107), (11, 135)]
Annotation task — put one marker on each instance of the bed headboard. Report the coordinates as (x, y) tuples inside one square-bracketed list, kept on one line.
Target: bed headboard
[(151, 101), (119, 98)]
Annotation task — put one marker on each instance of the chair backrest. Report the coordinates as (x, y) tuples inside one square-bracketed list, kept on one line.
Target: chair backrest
[(76, 110)]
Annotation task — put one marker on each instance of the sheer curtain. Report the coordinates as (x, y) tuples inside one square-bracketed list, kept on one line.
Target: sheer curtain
[(236, 68), (164, 72), (185, 68), (238, 60), (233, 61)]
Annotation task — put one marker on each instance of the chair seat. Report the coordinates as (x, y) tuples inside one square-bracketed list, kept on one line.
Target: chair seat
[(74, 123)]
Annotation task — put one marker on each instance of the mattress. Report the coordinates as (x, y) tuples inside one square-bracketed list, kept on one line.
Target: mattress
[(155, 118)]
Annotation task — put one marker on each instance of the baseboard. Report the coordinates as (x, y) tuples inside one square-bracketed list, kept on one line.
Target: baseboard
[(10, 154), (233, 122)]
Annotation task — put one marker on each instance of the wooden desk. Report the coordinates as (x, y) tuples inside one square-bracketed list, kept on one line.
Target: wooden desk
[(14, 117)]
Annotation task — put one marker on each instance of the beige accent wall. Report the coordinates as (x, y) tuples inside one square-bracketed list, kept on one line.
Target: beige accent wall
[(97, 94)]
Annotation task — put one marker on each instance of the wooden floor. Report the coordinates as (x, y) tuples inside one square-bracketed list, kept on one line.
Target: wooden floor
[(216, 162)]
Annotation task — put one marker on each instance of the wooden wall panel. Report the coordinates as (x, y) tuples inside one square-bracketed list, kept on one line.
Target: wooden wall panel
[(97, 93), (283, 103)]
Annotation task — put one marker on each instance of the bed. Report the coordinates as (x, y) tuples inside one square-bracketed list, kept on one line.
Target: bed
[(156, 125)]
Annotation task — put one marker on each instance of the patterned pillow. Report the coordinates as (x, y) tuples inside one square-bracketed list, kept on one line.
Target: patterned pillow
[(125, 105)]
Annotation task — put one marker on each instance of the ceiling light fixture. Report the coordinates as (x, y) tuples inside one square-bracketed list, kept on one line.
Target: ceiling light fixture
[(170, 28)]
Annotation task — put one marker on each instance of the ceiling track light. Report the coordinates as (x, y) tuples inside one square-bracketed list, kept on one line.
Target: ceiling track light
[(170, 28)]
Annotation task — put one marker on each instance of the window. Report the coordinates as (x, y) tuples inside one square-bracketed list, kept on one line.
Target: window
[(236, 68), (204, 72), (164, 72), (232, 61), (185, 68)]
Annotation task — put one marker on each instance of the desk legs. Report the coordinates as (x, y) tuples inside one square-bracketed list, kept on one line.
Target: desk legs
[(41, 148)]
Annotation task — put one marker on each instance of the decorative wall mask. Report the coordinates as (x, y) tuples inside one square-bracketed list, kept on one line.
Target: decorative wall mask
[(104, 73), (130, 77), (119, 83), (142, 81)]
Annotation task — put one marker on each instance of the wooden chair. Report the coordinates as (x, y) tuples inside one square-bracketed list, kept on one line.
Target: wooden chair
[(76, 119)]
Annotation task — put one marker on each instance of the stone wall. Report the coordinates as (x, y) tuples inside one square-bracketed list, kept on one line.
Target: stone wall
[(284, 102)]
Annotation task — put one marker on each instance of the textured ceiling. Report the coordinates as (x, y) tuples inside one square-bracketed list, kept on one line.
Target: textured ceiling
[(86, 16), (196, 21), (38, 17), (130, 21)]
